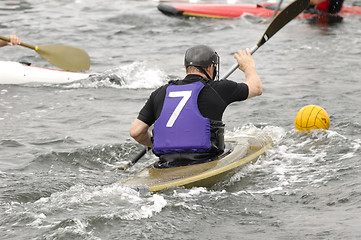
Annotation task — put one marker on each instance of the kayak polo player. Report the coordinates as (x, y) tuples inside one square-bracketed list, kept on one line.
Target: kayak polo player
[(187, 114)]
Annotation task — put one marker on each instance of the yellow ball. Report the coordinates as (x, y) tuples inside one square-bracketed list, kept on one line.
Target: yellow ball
[(311, 117)]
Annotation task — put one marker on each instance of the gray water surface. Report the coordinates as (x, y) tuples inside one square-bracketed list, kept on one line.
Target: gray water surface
[(57, 142)]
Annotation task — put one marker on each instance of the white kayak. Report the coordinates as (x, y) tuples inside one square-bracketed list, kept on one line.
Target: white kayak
[(18, 73)]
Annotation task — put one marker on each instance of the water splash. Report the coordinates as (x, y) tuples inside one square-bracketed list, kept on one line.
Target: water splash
[(68, 212), (298, 161), (133, 76)]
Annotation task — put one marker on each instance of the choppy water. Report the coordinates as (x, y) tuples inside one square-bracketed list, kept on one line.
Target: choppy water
[(57, 142)]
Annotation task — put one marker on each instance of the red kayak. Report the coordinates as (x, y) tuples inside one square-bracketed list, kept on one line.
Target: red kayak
[(235, 10)]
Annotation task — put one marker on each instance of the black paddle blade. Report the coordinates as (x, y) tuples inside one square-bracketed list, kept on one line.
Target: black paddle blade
[(284, 17)]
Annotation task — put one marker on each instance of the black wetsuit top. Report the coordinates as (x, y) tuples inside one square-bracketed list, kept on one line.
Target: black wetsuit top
[(212, 100)]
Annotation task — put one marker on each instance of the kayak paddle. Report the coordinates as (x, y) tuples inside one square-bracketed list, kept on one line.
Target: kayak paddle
[(133, 161), (64, 57), (284, 17)]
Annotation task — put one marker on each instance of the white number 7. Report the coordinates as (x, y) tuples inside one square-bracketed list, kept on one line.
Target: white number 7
[(185, 97)]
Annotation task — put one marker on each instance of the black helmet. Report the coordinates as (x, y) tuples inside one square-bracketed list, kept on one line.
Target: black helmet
[(202, 56)]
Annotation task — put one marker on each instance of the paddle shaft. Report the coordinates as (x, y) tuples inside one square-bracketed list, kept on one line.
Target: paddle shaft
[(133, 161), (284, 17), (22, 44), (138, 156), (235, 66)]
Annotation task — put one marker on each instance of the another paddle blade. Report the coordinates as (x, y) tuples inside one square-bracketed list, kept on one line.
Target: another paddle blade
[(65, 57)]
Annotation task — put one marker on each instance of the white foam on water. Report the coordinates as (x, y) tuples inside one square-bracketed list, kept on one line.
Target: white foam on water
[(115, 195), (67, 212), (249, 130), (298, 160), (255, 135), (135, 75), (75, 227), (196, 191), (189, 199)]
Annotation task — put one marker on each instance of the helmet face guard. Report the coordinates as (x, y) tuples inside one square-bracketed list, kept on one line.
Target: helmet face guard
[(202, 56), (216, 70)]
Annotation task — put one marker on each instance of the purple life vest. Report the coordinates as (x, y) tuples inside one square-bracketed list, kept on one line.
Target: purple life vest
[(180, 126)]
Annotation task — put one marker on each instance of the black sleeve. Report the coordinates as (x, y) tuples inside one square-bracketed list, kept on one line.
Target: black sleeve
[(152, 108), (146, 113), (232, 91)]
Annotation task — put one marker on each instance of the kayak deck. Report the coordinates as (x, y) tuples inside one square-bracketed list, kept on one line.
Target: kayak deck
[(241, 152)]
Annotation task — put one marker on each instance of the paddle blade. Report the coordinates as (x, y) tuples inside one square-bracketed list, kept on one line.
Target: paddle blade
[(65, 57), (284, 17)]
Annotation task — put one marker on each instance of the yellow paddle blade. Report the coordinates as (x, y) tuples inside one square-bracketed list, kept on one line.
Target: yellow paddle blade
[(65, 57)]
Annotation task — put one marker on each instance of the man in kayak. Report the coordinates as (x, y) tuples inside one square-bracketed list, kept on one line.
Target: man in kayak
[(14, 40), (187, 114), (325, 6)]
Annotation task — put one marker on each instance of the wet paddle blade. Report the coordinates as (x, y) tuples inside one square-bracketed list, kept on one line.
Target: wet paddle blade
[(65, 57)]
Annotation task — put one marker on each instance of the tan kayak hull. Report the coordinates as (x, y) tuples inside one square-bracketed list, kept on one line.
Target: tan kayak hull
[(242, 152)]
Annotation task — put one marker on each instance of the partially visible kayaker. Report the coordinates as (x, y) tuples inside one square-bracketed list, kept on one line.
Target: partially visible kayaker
[(14, 40), (187, 114), (325, 6)]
